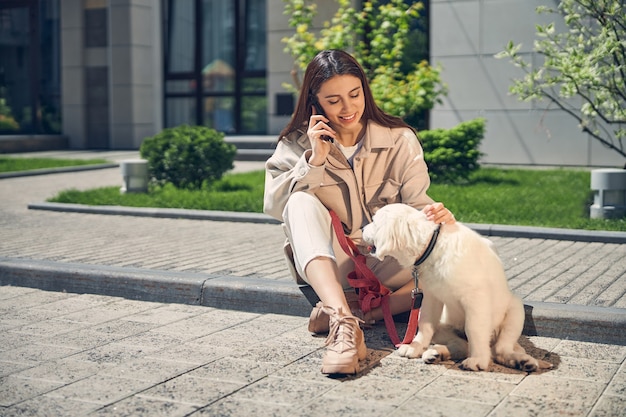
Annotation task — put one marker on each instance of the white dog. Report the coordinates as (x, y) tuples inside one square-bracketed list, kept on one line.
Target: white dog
[(466, 293)]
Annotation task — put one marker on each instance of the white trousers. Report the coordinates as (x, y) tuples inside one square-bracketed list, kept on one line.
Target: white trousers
[(310, 234)]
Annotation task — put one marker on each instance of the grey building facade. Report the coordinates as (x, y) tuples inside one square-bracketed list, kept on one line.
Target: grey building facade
[(118, 71), (465, 35)]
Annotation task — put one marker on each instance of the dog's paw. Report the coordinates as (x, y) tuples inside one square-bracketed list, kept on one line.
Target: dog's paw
[(412, 351), (475, 364), (525, 362), (431, 356), (528, 364)]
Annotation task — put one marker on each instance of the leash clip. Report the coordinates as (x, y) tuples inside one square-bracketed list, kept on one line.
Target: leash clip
[(417, 295), (416, 275)]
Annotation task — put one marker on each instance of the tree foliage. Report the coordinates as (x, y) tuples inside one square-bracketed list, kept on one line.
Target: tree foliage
[(377, 34), (584, 68)]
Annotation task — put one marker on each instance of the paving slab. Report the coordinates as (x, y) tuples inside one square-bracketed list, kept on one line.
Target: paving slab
[(193, 360)]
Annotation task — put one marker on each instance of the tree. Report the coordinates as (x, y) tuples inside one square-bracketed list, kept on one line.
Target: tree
[(377, 35), (584, 68)]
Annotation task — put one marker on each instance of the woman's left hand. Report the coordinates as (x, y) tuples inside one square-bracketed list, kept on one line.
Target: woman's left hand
[(438, 213)]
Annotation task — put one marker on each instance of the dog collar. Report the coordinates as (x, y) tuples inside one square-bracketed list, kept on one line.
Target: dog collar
[(429, 248)]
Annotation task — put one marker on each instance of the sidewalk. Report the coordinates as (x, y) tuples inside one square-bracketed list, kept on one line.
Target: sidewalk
[(178, 315)]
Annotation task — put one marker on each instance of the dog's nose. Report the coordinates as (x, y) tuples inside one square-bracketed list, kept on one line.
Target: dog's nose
[(371, 249)]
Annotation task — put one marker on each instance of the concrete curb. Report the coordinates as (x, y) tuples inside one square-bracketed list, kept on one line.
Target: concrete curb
[(220, 291), (530, 232), (59, 170), (484, 229), (577, 322), (583, 323), (231, 216)]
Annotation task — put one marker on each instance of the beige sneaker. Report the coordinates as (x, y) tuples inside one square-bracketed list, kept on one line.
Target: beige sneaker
[(319, 321), (345, 344)]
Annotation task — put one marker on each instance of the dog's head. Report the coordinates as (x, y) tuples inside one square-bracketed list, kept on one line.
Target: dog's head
[(400, 231)]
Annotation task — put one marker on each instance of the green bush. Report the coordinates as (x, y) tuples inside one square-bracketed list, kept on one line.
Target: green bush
[(188, 157), (452, 154)]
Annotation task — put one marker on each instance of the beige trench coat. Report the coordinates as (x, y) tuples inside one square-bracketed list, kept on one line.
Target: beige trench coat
[(388, 168)]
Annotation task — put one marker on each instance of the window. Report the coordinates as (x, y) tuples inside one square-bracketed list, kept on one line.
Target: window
[(29, 67), (215, 64)]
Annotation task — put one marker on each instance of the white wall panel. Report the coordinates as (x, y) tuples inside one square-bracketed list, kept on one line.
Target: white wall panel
[(517, 132)]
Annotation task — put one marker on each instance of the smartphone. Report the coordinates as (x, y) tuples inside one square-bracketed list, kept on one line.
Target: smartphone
[(319, 110)]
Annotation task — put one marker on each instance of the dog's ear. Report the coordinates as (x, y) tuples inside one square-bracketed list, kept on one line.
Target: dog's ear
[(387, 237), (413, 229)]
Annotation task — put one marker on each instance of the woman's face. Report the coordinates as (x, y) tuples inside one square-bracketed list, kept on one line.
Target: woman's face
[(343, 102)]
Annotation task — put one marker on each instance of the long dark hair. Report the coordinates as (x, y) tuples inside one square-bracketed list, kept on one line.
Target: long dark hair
[(324, 66)]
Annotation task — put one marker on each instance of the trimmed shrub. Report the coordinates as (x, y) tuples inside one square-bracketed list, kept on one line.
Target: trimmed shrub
[(452, 154), (188, 157)]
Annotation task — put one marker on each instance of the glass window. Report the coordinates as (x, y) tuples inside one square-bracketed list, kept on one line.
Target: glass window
[(218, 45), (180, 86), (180, 20), (218, 113), (15, 71), (180, 111), (254, 115), (224, 69), (218, 76), (30, 68), (254, 85), (50, 74), (256, 45)]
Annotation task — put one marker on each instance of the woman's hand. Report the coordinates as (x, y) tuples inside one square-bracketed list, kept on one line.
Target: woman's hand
[(438, 213), (319, 134)]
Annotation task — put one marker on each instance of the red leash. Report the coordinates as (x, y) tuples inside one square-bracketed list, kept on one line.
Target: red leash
[(371, 293)]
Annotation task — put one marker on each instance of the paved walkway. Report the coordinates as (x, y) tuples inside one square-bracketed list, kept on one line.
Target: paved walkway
[(164, 316)]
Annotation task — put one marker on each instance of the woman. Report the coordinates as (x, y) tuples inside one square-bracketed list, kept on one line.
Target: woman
[(341, 152)]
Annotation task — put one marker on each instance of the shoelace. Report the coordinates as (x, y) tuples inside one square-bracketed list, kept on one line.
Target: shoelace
[(342, 334)]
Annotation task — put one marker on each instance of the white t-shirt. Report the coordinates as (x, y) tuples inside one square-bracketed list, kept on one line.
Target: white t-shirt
[(349, 151)]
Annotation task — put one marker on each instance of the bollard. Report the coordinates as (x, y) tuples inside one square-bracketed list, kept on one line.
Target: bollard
[(609, 193), (135, 175)]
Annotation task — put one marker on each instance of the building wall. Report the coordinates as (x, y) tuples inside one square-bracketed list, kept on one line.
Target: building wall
[(111, 65), (279, 64), (465, 35), (73, 73), (135, 57), (112, 94)]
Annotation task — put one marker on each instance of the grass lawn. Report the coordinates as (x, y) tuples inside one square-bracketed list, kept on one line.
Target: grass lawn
[(10, 164), (546, 198), (234, 192)]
